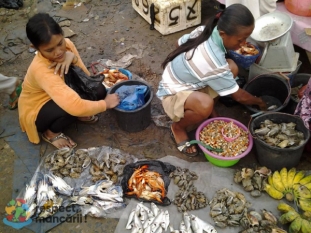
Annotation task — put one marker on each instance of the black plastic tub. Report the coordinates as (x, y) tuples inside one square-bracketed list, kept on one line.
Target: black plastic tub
[(138, 119), (273, 157), (300, 79), (273, 88)]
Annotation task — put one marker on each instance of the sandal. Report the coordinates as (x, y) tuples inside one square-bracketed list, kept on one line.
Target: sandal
[(93, 119), (13, 102), (183, 146), (60, 136)]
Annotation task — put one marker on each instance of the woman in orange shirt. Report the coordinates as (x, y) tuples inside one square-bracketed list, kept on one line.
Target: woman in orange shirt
[(47, 105)]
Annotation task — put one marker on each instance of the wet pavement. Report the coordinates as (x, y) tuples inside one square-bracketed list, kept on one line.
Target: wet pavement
[(104, 30)]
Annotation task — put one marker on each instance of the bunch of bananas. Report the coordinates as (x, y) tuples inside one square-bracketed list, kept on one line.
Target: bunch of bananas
[(293, 185), (298, 223)]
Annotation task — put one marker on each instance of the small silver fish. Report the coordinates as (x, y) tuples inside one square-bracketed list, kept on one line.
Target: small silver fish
[(272, 107), (130, 220)]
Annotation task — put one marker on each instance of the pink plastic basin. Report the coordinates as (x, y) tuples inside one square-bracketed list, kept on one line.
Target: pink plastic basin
[(221, 161)]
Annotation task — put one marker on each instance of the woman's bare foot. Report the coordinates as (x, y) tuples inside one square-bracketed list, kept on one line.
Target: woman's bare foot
[(180, 135), (59, 140)]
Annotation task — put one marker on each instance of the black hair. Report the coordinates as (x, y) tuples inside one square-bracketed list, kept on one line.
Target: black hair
[(230, 20), (40, 28)]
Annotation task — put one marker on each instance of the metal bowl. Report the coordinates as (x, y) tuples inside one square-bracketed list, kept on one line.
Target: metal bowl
[(271, 26)]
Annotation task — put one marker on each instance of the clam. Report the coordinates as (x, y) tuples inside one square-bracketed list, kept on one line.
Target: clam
[(247, 173)]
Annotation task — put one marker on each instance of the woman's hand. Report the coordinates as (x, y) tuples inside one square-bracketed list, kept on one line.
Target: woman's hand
[(112, 100), (63, 67), (262, 105)]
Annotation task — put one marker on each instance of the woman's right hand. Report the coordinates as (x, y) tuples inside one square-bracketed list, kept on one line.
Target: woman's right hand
[(262, 105), (112, 100)]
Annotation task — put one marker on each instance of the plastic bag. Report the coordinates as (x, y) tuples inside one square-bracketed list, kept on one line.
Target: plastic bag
[(131, 97), (164, 169), (81, 83)]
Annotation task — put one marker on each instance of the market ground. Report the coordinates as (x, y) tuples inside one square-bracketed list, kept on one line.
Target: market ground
[(106, 29)]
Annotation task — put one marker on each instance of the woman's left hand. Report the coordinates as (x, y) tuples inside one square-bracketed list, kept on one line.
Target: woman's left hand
[(63, 67)]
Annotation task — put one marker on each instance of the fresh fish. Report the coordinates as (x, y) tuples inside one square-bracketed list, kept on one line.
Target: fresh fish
[(137, 230), (143, 215), (86, 162), (147, 229), (137, 222), (154, 209), (148, 223), (166, 219), (272, 107), (205, 226), (30, 194), (129, 224), (31, 211), (141, 205), (93, 211), (108, 197), (195, 225), (158, 230), (187, 221), (42, 194), (182, 226), (60, 185), (81, 200)]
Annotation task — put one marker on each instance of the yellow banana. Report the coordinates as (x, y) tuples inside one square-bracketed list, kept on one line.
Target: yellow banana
[(302, 191), (307, 215), (305, 204), (290, 177), (305, 180), (270, 181), (308, 186), (273, 192), (288, 217), (299, 175), (277, 181), (295, 226), (283, 207), (283, 174), (305, 226)]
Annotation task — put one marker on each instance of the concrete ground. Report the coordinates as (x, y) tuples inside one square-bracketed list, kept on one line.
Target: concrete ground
[(105, 29)]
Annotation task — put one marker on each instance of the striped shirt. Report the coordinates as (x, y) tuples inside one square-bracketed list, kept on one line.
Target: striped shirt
[(207, 67)]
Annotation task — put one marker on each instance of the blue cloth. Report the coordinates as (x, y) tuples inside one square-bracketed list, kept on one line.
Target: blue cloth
[(131, 97)]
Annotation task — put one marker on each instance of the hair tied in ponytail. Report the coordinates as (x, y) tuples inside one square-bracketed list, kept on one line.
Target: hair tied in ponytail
[(217, 16)]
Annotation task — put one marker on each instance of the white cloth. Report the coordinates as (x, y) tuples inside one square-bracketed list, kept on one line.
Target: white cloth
[(7, 84), (257, 7)]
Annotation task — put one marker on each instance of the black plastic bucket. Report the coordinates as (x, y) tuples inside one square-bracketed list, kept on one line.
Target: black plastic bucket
[(138, 119), (273, 88), (300, 79), (273, 157)]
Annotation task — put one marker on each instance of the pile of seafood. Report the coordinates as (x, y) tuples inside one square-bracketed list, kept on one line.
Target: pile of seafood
[(43, 198), (112, 77), (107, 166), (253, 181), (264, 222), (192, 223), (66, 162), (99, 199), (293, 185), (297, 92), (146, 220), (146, 184), (187, 197), (297, 222), (283, 135), (247, 50), (227, 208), (212, 135)]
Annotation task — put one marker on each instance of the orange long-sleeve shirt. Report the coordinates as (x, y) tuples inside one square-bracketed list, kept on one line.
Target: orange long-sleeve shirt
[(41, 85)]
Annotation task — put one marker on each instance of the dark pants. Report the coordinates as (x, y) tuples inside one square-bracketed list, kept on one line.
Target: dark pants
[(52, 117)]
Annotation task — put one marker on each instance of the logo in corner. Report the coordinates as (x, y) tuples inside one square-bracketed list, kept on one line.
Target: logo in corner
[(16, 214)]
